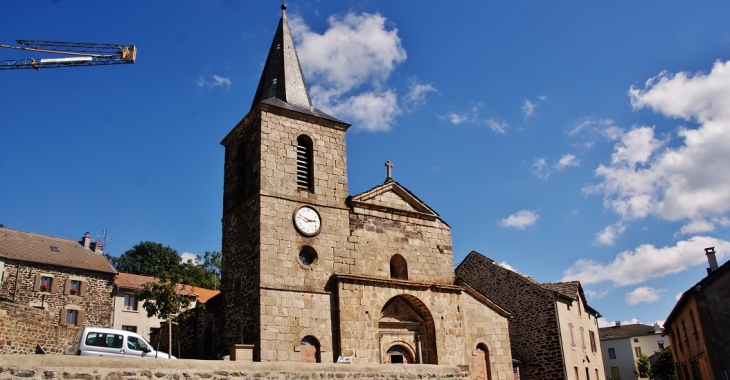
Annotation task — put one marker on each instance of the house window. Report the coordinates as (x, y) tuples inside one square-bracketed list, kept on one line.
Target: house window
[(611, 353), (74, 288), (72, 317), (582, 338), (636, 340), (592, 336), (398, 267), (130, 328), (694, 325), (572, 337), (661, 344), (45, 284), (305, 177), (130, 303), (637, 351)]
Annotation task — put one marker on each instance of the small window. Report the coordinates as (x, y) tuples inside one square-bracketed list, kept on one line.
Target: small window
[(74, 288), (572, 336), (130, 328), (398, 267), (72, 317), (54, 248), (130, 303), (134, 343), (45, 284), (611, 353), (307, 256), (592, 336), (661, 344), (636, 340), (637, 351), (305, 177), (582, 338)]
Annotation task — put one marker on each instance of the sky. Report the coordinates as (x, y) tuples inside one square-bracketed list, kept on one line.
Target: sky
[(564, 140)]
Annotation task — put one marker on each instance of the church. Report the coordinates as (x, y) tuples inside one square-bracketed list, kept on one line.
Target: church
[(312, 274)]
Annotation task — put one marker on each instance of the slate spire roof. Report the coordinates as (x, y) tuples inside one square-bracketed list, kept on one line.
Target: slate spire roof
[(282, 82)]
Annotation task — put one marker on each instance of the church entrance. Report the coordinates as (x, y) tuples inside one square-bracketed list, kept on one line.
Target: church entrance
[(407, 333), (481, 364), (309, 350)]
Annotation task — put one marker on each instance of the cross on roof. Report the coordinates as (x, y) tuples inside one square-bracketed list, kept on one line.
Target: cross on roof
[(389, 165)]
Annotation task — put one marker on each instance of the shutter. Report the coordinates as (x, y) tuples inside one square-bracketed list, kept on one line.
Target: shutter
[(67, 287), (54, 284), (63, 316), (37, 285), (82, 289), (80, 318)]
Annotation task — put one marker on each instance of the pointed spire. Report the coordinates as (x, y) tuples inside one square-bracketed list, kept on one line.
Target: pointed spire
[(282, 77)]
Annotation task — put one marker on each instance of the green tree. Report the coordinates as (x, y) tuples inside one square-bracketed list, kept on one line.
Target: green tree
[(663, 367), (643, 364), (202, 272), (149, 259), (163, 300)]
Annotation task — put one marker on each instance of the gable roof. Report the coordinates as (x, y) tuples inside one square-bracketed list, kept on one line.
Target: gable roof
[(624, 331), (721, 271), (137, 282), (393, 197), (571, 289), (36, 248)]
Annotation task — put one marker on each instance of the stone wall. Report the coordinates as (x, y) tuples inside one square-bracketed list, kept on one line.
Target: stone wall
[(482, 325), (23, 328), (76, 367), (533, 327), (95, 303)]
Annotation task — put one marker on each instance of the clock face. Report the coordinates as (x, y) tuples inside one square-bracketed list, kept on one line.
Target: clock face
[(307, 221)]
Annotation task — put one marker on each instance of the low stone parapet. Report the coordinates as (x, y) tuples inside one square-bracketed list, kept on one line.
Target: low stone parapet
[(93, 368)]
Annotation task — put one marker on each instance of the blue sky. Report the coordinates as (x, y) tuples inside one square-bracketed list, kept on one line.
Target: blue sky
[(566, 140)]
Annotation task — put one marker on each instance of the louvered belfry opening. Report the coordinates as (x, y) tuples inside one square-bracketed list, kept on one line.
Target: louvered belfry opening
[(305, 178)]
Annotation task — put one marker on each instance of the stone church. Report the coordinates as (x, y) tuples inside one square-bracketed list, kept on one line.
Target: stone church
[(312, 274)]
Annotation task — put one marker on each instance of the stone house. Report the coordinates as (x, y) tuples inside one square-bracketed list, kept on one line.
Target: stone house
[(698, 326), (311, 274), (129, 313), (622, 345), (69, 282), (553, 330)]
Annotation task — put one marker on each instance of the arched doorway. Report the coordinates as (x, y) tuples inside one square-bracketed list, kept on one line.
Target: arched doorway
[(481, 363), (309, 350), (405, 322), (399, 354)]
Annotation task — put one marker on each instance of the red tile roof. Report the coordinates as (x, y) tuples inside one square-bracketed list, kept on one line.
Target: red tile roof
[(136, 282)]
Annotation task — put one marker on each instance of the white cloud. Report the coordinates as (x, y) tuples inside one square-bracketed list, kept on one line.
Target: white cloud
[(542, 170), (496, 125), (416, 95), (643, 294), (602, 322), (348, 66), (608, 235), (645, 262), (647, 176), (185, 256), (528, 108), (504, 265), (214, 81), (520, 220), (678, 296), (592, 294), (456, 118), (697, 226)]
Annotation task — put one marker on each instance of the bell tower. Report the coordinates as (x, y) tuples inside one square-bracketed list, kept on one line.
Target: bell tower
[(285, 220)]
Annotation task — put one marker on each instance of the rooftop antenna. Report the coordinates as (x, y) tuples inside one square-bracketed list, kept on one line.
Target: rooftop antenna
[(105, 237)]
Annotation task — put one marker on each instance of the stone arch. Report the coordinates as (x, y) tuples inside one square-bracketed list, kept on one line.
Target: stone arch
[(482, 365), (400, 353), (310, 350), (406, 319), (398, 267)]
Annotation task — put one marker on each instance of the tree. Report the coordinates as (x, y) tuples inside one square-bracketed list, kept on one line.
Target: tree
[(202, 272), (643, 364), (149, 259), (164, 301), (663, 367)]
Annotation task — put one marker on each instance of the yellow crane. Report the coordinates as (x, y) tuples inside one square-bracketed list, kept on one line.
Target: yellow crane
[(80, 54)]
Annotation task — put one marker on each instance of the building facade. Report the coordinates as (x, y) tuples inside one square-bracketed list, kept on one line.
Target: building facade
[(553, 331), (623, 345), (698, 326), (312, 274)]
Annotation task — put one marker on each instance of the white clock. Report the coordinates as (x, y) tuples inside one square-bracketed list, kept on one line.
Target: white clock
[(307, 221)]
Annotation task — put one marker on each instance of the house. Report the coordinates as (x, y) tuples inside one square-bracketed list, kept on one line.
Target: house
[(129, 313), (698, 326), (312, 274), (553, 331), (51, 281), (623, 345)]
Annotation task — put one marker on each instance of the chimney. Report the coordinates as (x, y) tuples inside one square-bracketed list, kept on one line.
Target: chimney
[(657, 328), (97, 247), (618, 323), (86, 240), (710, 252)]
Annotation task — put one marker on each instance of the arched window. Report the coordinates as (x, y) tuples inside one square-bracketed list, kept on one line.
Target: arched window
[(398, 354), (398, 267), (309, 350), (305, 168)]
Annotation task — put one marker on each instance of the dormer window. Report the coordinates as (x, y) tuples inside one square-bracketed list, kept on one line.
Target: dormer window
[(305, 171)]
